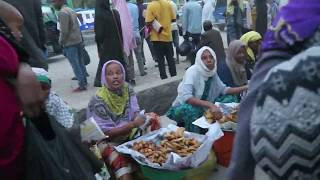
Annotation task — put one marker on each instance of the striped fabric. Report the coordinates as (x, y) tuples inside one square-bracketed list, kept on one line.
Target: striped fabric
[(285, 124), (119, 165)]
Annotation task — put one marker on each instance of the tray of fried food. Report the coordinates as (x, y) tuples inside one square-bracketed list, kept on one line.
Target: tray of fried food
[(230, 117), (211, 117), (151, 151), (175, 141)]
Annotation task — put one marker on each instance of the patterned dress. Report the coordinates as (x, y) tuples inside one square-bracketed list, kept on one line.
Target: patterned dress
[(107, 120)]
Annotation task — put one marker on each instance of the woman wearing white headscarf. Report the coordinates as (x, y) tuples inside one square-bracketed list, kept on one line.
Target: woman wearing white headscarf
[(198, 90)]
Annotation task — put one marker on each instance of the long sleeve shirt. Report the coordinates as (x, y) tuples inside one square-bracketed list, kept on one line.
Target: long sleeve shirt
[(192, 18), (134, 12), (69, 27)]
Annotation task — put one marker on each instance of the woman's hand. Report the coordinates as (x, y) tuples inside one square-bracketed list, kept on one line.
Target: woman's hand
[(29, 91), (206, 105), (237, 90), (216, 111), (138, 121)]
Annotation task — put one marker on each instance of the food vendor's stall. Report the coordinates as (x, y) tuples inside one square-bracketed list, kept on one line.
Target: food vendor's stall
[(169, 152), (223, 146)]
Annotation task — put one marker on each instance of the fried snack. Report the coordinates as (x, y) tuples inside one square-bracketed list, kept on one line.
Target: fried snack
[(212, 117), (231, 117), (154, 153), (209, 116), (176, 142), (180, 131), (172, 142)]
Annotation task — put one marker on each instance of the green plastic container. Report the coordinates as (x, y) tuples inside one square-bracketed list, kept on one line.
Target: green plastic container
[(158, 174)]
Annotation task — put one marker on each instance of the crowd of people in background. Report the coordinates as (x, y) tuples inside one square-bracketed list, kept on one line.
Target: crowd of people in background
[(268, 46), (137, 19), (129, 26)]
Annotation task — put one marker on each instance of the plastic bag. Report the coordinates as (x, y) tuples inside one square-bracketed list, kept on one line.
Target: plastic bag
[(58, 156), (154, 121), (85, 56)]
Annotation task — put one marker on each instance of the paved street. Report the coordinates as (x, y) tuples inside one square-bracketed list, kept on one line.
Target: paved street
[(61, 73)]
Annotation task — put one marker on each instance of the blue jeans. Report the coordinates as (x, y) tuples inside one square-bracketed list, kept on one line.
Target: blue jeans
[(74, 55)]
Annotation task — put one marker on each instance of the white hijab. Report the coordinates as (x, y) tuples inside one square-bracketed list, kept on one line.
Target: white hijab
[(197, 74), (202, 68)]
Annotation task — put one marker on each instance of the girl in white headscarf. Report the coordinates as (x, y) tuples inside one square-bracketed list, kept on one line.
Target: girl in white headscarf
[(198, 90)]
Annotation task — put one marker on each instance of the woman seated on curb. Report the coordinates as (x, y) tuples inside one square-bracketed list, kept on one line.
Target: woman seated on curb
[(116, 111), (252, 41), (236, 62), (198, 90)]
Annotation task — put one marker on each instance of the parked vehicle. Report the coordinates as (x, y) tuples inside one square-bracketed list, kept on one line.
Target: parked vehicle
[(85, 19)]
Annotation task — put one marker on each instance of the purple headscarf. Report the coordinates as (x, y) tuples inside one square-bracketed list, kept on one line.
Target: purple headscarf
[(103, 74), (288, 28), (129, 42)]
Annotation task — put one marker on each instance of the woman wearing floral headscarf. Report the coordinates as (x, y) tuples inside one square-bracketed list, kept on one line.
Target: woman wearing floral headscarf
[(115, 109), (198, 90), (278, 121)]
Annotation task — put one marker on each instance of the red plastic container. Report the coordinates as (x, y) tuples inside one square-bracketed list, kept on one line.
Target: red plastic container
[(223, 148)]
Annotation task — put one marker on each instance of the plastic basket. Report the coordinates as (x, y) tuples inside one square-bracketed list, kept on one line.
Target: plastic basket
[(157, 174), (223, 148)]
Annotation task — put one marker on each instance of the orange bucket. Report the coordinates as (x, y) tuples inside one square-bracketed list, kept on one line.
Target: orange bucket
[(223, 148)]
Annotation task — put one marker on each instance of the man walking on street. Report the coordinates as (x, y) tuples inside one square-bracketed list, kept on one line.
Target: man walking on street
[(134, 12), (192, 24), (160, 12), (71, 40)]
